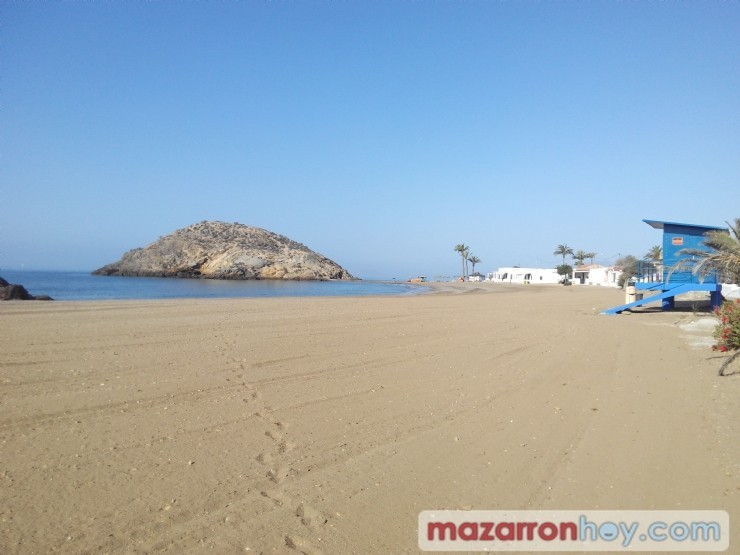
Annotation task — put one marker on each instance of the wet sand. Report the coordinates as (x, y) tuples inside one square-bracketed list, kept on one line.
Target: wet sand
[(328, 424)]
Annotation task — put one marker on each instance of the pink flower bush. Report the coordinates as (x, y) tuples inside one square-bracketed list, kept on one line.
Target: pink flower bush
[(727, 331)]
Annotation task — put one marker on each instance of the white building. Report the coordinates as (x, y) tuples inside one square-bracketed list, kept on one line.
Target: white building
[(593, 274), (525, 275)]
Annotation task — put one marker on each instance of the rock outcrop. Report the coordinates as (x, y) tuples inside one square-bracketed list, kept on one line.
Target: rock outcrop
[(15, 292), (218, 250)]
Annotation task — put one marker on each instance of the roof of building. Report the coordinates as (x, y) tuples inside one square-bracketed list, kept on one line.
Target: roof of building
[(657, 224), (587, 267)]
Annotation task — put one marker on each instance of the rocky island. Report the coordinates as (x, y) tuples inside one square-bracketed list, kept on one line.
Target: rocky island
[(218, 250)]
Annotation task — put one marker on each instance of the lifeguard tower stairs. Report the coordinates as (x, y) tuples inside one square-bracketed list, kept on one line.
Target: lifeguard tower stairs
[(652, 282)]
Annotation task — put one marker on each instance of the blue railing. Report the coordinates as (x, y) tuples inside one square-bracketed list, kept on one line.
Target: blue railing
[(649, 272)]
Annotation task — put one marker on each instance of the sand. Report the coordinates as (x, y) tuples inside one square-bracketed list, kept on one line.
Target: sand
[(328, 424)]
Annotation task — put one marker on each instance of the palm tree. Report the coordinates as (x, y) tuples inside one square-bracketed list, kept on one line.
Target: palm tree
[(463, 250), (579, 256), (591, 256), (722, 258), (563, 250), (474, 260), (655, 254)]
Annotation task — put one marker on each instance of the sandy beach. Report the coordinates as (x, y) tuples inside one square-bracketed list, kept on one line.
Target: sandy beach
[(325, 425)]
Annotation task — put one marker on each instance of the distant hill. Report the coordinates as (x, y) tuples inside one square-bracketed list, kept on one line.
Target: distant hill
[(219, 250)]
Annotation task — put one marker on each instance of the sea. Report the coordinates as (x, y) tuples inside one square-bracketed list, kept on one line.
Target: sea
[(82, 286)]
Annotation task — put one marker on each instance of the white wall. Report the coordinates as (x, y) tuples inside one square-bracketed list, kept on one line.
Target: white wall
[(603, 276), (518, 275)]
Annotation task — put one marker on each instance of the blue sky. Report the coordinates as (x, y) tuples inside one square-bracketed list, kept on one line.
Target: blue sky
[(380, 134)]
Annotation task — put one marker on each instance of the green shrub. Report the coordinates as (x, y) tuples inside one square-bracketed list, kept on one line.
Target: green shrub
[(628, 264), (565, 270)]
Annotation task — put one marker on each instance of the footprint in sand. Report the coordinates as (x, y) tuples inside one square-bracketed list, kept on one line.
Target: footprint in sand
[(310, 517), (301, 544), (274, 435), (264, 458), (285, 446), (278, 474), (253, 396), (278, 434), (277, 496)]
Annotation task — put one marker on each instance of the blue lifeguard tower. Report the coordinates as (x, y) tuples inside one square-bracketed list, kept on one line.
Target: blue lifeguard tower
[(656, 280)]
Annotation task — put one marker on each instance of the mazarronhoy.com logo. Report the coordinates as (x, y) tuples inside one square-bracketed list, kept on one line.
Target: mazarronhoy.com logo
[(574, 530)]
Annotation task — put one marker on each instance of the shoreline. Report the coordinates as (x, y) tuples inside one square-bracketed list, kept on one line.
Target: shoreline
[(327, 424), (82, 286)]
